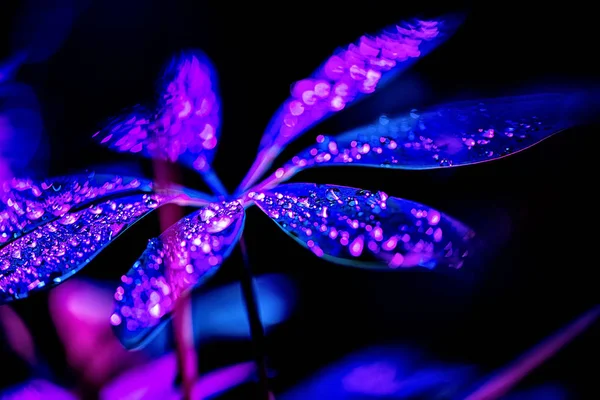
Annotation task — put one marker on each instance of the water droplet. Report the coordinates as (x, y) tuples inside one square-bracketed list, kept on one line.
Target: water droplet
[(333, 194), (206, 214), (35, 213)]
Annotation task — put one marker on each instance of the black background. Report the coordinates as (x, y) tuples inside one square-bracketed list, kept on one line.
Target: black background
[(536, 208)]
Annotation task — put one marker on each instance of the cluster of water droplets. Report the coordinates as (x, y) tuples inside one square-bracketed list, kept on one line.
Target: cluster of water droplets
[(26, 204), (180, 259), (359, 227), (54, 251)]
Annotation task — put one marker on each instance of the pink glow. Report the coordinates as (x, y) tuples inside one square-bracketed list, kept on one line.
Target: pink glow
[(79, 311), (397, 260), (17, 335), (357, 246)]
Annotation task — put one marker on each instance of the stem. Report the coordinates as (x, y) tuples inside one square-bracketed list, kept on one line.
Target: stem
[(187, 359), (257, 331)]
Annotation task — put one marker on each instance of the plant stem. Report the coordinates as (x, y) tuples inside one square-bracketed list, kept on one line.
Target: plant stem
[(257, 331), (187, 359)]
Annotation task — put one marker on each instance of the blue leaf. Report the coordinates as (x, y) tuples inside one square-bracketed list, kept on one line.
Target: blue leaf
[(359, 228), (348, 75), (456, 134), (58, 249), (384, 372), (182, 258), (183, 126)]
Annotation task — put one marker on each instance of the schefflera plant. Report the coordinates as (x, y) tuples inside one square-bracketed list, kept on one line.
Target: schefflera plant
[(50, 230)]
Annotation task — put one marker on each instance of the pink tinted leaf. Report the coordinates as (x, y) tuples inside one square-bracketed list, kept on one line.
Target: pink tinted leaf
[(349, 74), (154, 381), (182, 258), (26, 204), (54, 251), (184, 124), (359, 228)]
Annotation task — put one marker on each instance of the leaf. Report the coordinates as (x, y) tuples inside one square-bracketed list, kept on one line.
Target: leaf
[(183, 125), (349, 74), (455, 134), (26, 204), (182, 258), (359, 228), (394, 371), (58, 249), (154, 381)]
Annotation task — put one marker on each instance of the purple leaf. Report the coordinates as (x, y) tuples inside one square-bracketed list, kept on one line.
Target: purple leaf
[(455, 134), (182, 258), (359, 228), (26, 204), (349, 74), (58, 249), (183, 126)]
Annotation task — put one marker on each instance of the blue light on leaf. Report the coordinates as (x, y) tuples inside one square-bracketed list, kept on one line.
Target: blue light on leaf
[(357, 227)]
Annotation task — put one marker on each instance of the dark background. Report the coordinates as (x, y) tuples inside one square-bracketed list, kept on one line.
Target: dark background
[(537, 209)]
